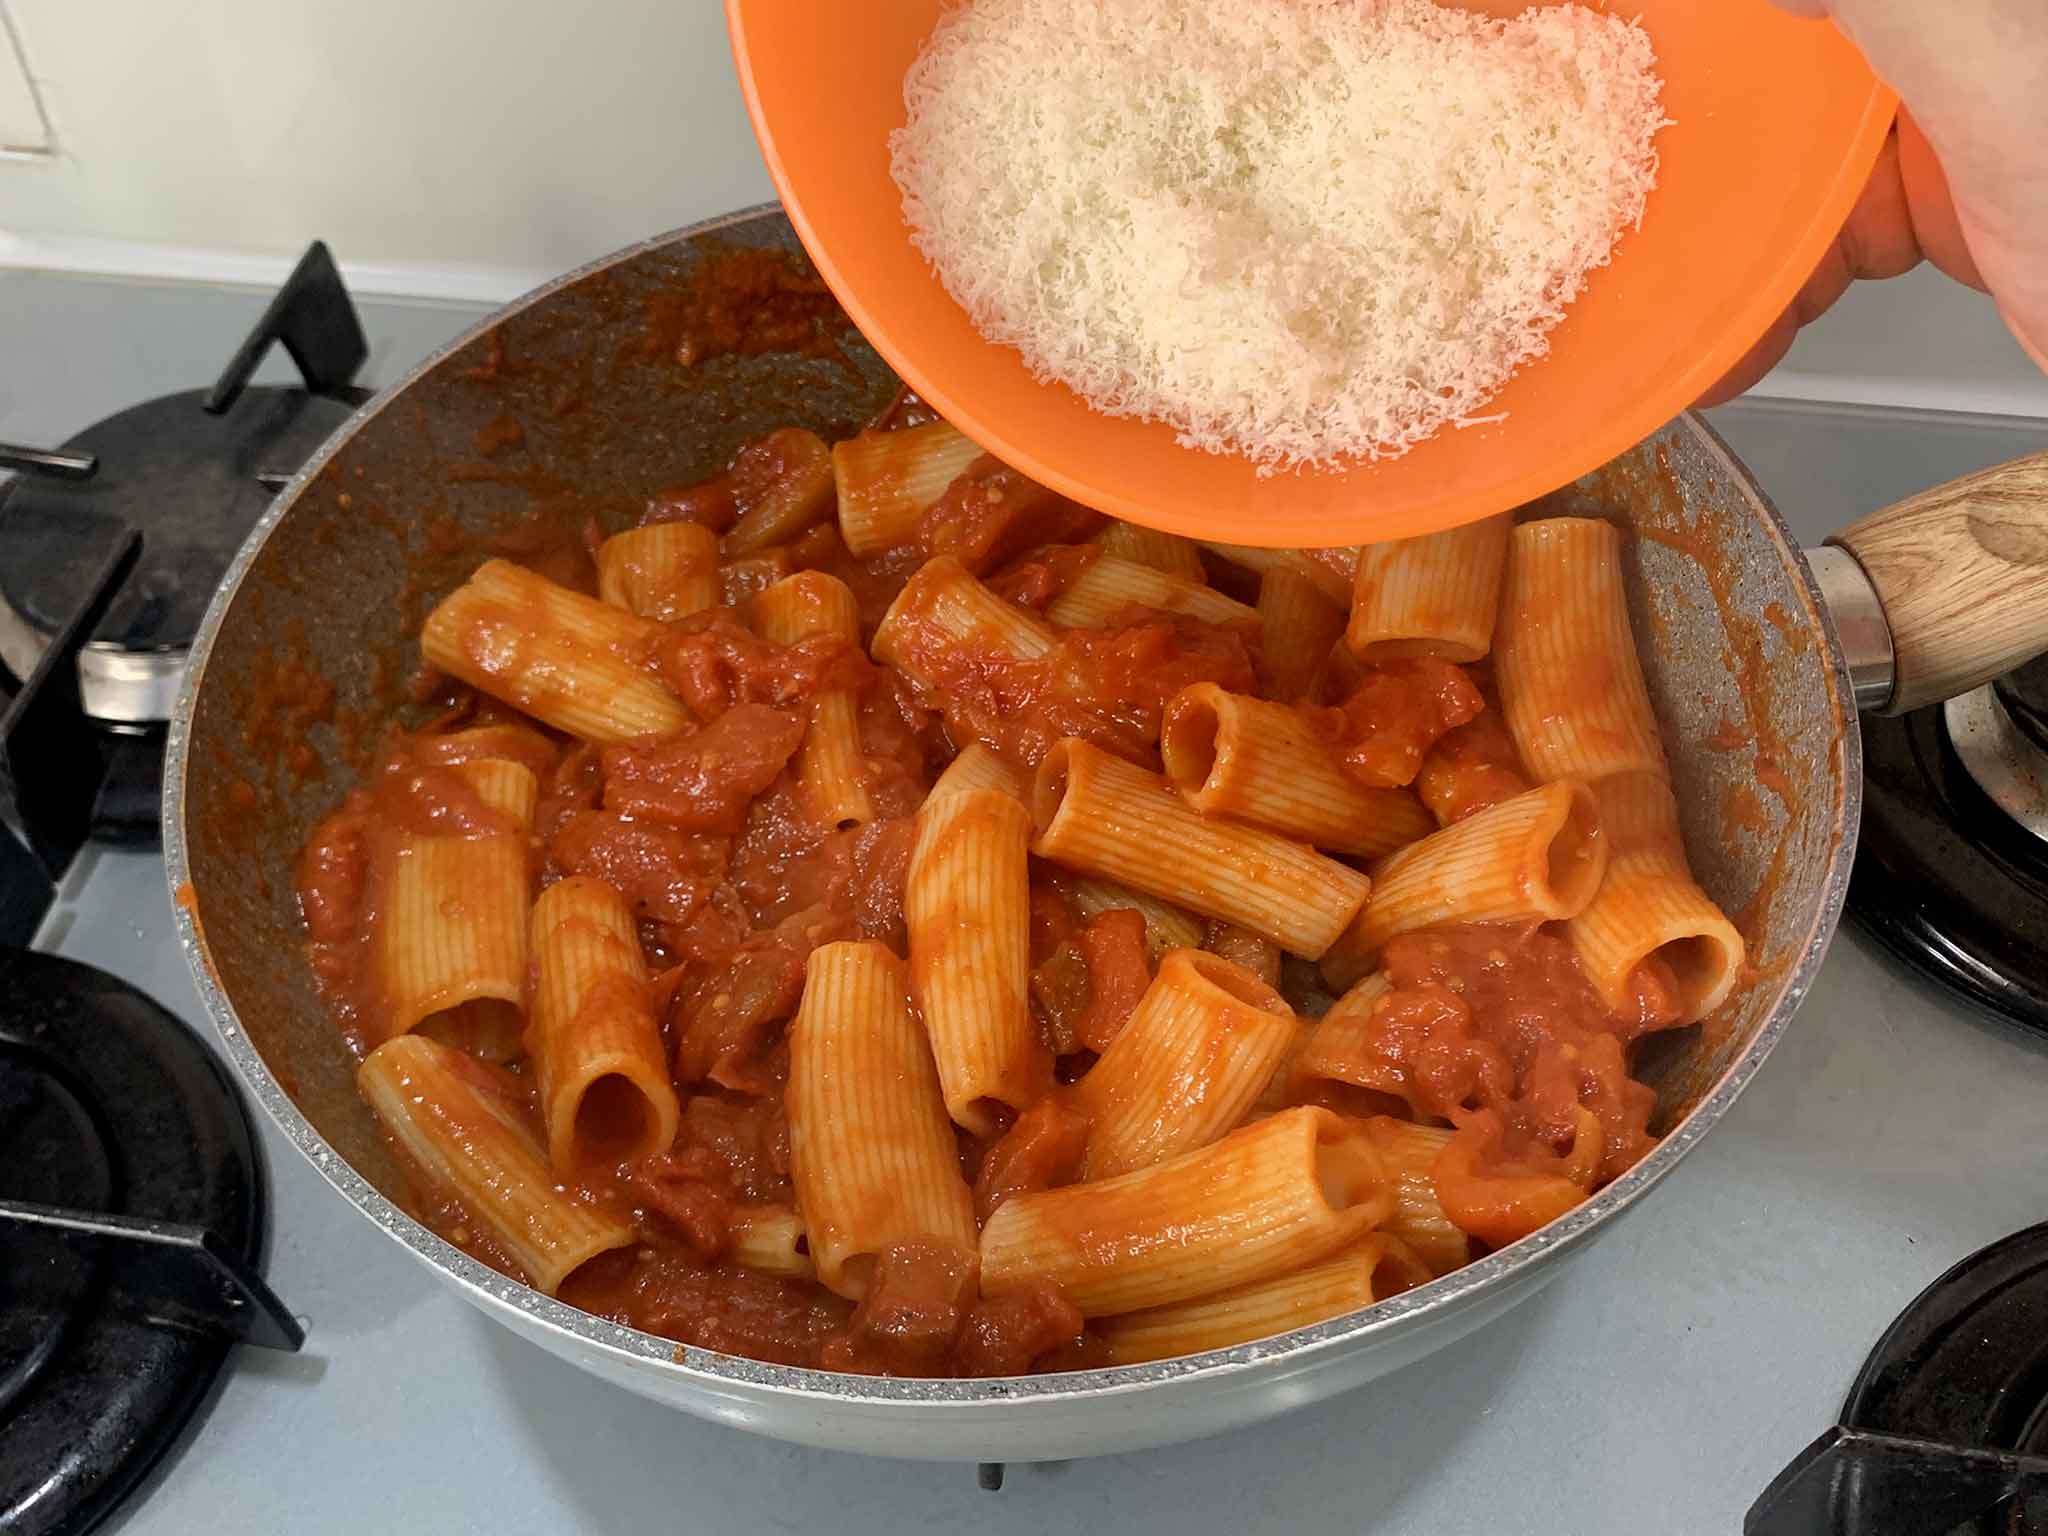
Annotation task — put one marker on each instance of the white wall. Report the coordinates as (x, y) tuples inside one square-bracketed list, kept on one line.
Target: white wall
[(474, 147), (511, 134)]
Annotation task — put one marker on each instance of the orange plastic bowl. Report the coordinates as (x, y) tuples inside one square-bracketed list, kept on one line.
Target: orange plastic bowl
[(1777, 123)]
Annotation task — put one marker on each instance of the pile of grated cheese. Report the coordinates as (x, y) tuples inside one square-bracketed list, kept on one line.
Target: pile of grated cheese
[(1303, 231)]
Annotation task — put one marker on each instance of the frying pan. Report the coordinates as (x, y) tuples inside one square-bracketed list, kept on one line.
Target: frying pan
[(571, 404)]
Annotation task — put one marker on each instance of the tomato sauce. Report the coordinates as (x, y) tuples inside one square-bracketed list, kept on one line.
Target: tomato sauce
[(1108, 686), (1394, 714)]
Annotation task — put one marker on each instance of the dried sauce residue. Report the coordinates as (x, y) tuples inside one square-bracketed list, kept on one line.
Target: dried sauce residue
[(1726, 736), (501, 434), (746, 300), (1740, 807), (287, 698)]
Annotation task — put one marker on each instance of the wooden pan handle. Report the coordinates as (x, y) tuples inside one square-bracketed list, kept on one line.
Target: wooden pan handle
[(1962, 572)]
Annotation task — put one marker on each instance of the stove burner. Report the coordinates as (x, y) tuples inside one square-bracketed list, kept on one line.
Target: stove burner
[(192, 472), (1946, 1428), (108, 1104), (1948, 876)]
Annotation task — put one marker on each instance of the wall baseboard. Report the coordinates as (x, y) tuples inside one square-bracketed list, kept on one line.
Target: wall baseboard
[(1961, 397), (488, 287), (432, 282)]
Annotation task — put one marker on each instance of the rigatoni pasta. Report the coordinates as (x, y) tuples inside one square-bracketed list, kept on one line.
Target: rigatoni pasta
[(1272, 1197), (602, 1074), (567, 660), (798, 490), (1167, 552), (870, 1147), (770, 1239), (1648, 908), (944, 600), (1204, 1041), (832, 768), (1379, 1266), (1298, 625), (450, 919), (1437, 595), (1538, 856), (977, 767), (1328, 570), (663, 571), (1167, 927), (1111, 586), (459, 1125), (1571, 685), (967, 902), (887, 480), (1101, 816), (1252, 760)]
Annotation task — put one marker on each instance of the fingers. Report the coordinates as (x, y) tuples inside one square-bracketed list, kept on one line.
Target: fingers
[(1879, 240)]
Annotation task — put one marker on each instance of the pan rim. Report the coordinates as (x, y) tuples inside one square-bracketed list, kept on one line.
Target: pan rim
[(1441, 1298)]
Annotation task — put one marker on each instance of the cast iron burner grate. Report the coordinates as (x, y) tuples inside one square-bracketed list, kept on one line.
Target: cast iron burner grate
[(191, 473), (131, 1222), (1945, 1432), (1948, 878)]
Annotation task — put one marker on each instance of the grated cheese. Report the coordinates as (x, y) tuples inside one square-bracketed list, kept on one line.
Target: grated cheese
[(1304, 231)]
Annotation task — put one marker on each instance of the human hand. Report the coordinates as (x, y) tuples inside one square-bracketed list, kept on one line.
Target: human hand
[(1963, 180)]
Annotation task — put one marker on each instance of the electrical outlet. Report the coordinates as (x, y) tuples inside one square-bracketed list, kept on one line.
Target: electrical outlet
[(23, 128)]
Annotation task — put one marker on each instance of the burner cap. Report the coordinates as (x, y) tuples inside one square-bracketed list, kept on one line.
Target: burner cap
[(1944, 877), (186, 479), (1967, 1363), (107, 1103)]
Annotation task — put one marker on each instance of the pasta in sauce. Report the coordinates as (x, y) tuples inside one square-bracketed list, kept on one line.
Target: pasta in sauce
[(746, 950)]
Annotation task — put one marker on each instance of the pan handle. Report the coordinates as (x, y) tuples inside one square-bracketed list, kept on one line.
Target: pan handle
[(1960, 577)]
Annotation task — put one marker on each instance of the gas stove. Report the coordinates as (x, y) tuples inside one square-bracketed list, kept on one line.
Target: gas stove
[(1662, 1386)]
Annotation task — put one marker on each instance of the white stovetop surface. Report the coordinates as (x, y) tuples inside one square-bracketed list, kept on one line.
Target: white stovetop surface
[(1656, 1387)]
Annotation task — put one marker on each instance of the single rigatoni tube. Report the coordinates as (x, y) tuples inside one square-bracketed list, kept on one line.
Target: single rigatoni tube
[(769, 1239), (1564, 656), (1167, 927), (886, 481), (944, 609), (599, 1065), (831, 767), (509, 789), (967, 906), (1249, 759), (1436, 595), (1339, 1044), (1298, 626), (1378, 1266), (980, 767), (664, 571), (1109, 586), (457, 1122), (1196, 1052), (1539, 855), (798, 496), (1101, 816), (450, 925), (1279, 1091), (871, 1149), (566, 659), (1167, 552), (1271, 1197), (1328, 569), (1410, 1152), (1649, 908)]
